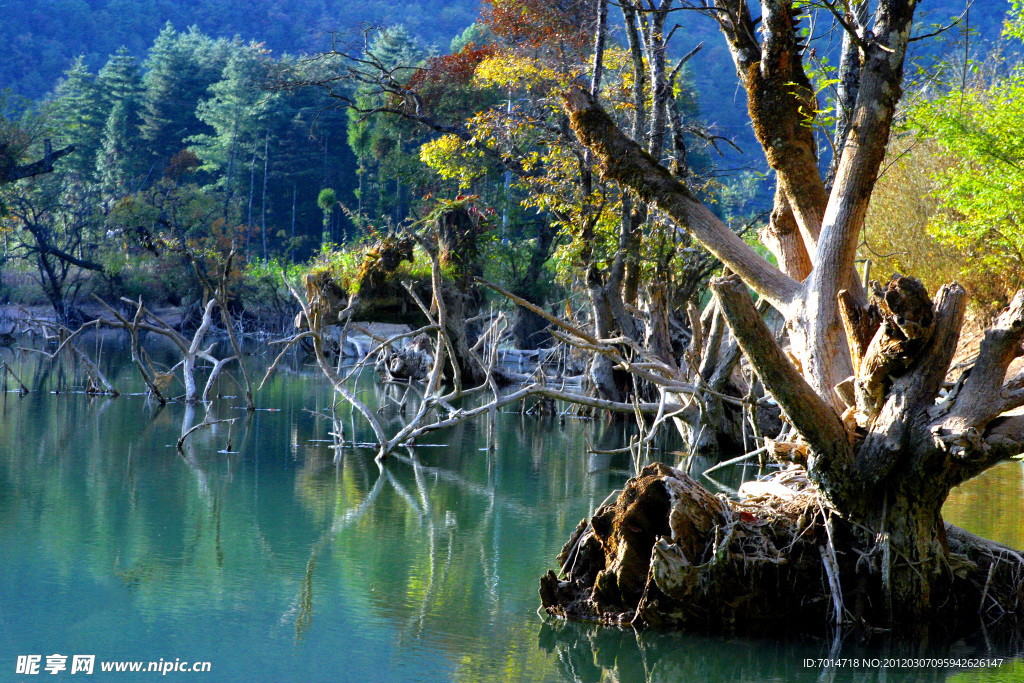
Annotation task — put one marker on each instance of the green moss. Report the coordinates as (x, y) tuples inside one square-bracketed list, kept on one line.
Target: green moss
[(374, 266)]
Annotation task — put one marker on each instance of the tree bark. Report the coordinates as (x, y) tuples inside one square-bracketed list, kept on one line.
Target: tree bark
[(624, 161)]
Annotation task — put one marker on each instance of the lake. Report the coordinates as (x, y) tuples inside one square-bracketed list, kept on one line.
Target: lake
[(274, 555)]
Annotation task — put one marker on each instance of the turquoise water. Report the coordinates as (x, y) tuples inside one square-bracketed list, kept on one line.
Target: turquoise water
[(283, 558)]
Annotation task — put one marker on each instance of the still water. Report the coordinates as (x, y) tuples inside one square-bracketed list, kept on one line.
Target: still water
[(274, 556)]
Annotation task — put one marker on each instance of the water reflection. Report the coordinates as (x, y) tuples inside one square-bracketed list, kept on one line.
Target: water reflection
[(991, 505), (280, 551), (589, 654)]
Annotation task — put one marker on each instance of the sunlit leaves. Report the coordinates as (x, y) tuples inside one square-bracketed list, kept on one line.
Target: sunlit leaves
[(512, 71), (556, 25), (452, 159), (981, 193)]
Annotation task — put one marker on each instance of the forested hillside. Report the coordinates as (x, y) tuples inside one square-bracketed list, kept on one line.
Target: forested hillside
[(43, 37)]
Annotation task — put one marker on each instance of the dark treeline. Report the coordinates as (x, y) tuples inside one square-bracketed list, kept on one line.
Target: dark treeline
[(44, 36)]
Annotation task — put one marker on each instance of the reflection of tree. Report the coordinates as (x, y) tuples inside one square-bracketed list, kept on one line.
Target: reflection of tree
[(590, 653), (971, 507), (429, 542)]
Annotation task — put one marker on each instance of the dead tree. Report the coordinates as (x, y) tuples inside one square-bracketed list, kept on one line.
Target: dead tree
[(378, 291), (191, 350), (437, 409), (881, 450), (724, 413)]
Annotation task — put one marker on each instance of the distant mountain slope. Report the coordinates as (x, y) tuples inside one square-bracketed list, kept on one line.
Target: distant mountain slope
[(44, 36)]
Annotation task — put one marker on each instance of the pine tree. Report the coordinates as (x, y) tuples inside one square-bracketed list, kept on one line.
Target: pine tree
[(180, 68), (120, 78), (236, 111), (118, 165), (120, 160), (80, 117)]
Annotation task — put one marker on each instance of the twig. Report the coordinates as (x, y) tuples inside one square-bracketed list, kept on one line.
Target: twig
[(734, 461)]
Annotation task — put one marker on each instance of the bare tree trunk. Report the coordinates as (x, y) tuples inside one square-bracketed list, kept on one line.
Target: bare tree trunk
[(252, 192), (263, 205), (849, 83), (291, 250)]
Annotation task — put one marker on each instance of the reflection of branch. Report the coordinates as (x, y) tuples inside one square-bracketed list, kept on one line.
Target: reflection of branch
[(6, 370), (289, 343), (67, 342), (470, 486), (205, 423)]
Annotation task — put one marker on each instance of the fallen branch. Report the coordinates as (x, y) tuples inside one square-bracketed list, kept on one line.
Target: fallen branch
[(735, 461)]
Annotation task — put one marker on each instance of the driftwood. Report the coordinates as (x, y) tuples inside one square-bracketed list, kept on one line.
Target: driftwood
[(437, 410)]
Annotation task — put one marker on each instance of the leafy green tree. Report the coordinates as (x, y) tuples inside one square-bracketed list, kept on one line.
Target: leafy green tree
[(22, 128), (980, 188), (56, 231), (308, 151)]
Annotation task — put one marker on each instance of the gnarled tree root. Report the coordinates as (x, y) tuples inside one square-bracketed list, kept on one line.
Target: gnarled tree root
[(668, 553)]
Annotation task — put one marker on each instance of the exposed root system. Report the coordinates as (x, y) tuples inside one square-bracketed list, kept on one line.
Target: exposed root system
[(668, 553)]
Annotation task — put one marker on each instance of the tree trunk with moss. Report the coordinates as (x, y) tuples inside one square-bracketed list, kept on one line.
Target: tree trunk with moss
[(458, 251), (377, 294)]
